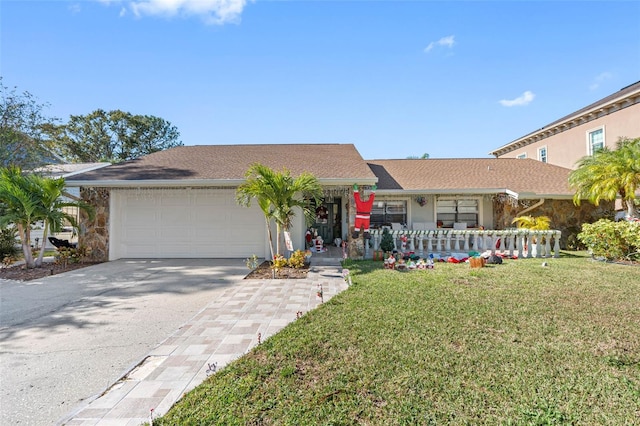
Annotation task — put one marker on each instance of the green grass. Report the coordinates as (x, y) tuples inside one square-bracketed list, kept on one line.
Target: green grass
[(516, 343)]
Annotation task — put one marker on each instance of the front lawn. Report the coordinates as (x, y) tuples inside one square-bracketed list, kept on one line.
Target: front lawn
[(516, 343)]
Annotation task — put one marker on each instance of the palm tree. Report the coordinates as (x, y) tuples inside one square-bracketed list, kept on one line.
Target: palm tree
[(608, 174), (51, 208), (278, 194), (27, 199), (537, 223), (18, 196), (259, 185)]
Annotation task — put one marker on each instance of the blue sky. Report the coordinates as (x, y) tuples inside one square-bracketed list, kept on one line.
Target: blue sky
[(449, 78)]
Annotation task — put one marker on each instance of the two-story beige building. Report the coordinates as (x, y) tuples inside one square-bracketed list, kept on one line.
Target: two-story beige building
[(567, 140)]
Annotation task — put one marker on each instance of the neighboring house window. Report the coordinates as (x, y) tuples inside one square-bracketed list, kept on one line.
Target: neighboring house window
[(542, 154), (595, 140), (450, 211), (387, 212), (522, 156)]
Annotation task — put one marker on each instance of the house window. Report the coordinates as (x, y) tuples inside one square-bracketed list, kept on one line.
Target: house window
[(595, 140), (450, 211), (542, 154), (522, 156), (383, 213)]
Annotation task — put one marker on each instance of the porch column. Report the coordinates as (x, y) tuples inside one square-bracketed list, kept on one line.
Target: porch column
[(538, 245), (529, 245), (556, 244), (456, 241), (511, 238), (547, 244), (420, 239), (376, 240), (447, 242), (486, 242), (503, 241), (520, 244), (429, 247)]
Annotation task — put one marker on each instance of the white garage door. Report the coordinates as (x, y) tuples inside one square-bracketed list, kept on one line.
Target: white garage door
[(184, 223)]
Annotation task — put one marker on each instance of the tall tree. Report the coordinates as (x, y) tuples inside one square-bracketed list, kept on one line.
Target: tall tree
[(113, 136), (424, 156), (607, 174), (27, 199), (278, 194), (22, 142)]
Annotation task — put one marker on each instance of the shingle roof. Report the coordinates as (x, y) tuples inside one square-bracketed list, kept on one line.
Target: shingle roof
[(230, 162), (68, 169), (335, 162), (523, 176)]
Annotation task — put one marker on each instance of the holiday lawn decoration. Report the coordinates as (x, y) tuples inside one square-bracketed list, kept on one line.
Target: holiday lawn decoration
[(363, 212)]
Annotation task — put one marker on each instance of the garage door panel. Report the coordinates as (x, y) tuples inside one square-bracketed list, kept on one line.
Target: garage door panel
[(182, 223), (141, 216), (175, 235), (172, 215), (142, 235)]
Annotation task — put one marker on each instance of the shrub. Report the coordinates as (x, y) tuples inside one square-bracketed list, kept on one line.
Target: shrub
[(612, 240), (252, 262), (66, 255), (279, 262), (8, 243), (297, 259)]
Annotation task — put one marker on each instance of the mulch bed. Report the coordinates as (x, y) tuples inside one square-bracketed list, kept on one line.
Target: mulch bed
[(20, 273), (264, 272)]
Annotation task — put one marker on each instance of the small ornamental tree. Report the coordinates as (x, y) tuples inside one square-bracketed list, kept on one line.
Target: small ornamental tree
[(386, 243), (278, 194)]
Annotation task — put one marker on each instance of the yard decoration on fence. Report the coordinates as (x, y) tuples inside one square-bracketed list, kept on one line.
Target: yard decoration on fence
[(511, 243)]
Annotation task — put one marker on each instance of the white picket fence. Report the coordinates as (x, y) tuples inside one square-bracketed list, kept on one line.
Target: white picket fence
[(521, 242)]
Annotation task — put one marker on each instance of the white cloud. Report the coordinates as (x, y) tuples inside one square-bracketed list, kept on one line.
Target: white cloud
[(599, 79), (524, 99), (447, 41), (75, 8), (212, 11)]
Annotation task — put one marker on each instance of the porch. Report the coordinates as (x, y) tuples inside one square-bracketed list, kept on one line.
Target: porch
[(523, 243), (331, 255)]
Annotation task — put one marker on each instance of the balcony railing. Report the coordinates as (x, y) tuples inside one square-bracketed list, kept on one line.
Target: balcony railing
[(513, 242)]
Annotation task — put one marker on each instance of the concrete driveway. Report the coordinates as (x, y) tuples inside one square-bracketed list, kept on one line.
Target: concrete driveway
[(105, 344), (67, 338)]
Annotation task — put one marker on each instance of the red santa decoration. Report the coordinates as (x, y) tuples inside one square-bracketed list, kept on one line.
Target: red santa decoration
[(363, 212)]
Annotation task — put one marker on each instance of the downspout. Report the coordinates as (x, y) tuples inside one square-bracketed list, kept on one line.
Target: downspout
[(533, 207)]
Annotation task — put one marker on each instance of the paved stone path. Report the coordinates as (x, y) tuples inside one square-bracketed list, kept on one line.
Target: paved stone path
[(225, 329)]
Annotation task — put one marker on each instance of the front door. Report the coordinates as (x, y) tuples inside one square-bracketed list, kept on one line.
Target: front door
[(329, 220)]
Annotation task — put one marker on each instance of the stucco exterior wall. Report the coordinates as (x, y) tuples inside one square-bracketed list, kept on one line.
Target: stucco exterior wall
[(95, 234), (564, 215), (566, 147)]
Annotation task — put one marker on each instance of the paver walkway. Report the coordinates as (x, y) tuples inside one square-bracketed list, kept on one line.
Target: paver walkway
[(224, 330)]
